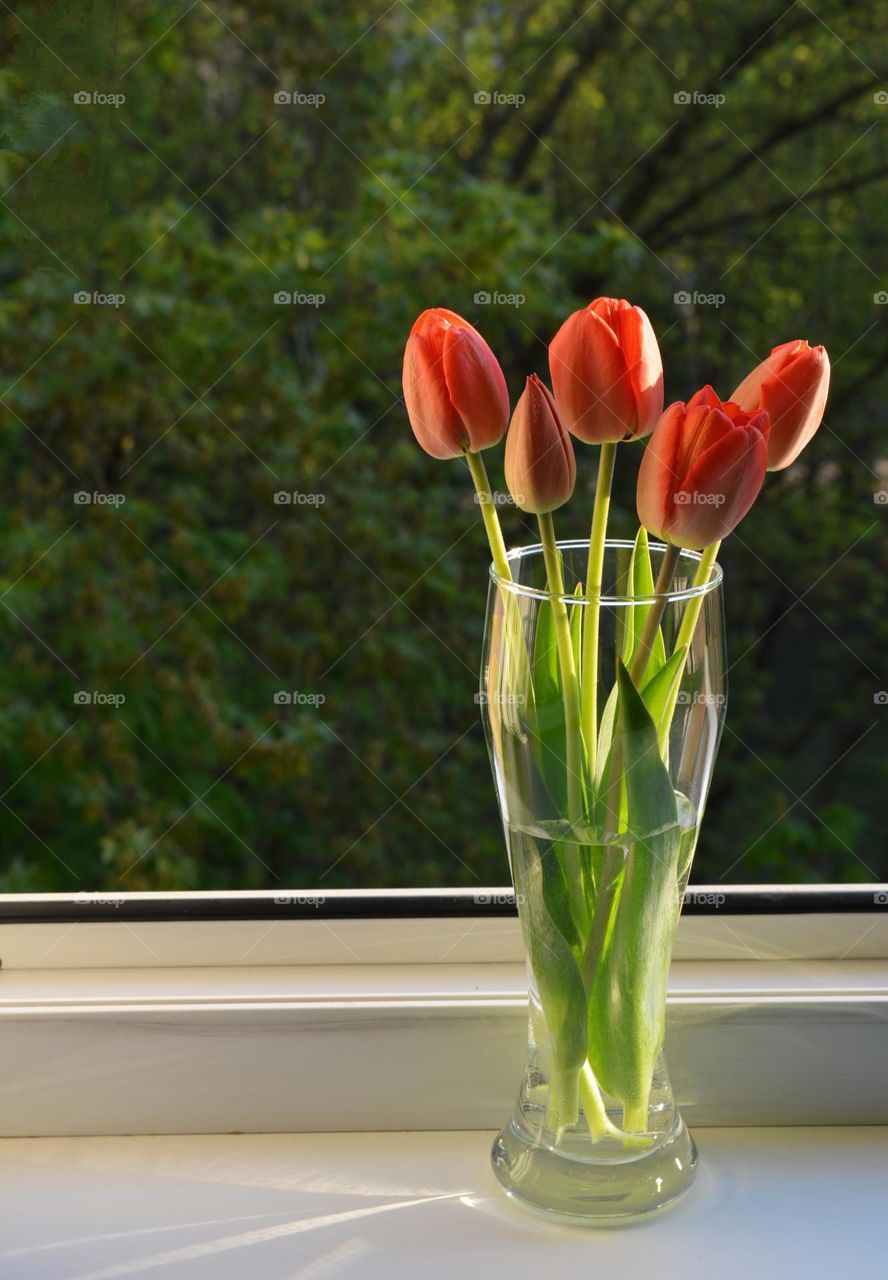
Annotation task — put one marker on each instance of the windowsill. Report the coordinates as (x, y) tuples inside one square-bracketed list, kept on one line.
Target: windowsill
[(766, 1203), (371, 1047)]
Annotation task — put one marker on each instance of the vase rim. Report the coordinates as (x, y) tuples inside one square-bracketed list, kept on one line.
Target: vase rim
[(516, 554)]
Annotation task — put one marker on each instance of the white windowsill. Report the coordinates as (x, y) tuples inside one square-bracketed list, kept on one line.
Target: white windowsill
[(768, 1203)]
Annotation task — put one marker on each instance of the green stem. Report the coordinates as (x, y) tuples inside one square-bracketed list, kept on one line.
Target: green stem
[(654, 614), (598, 1121), (687, 629), (563, 1107), (692, 613), (488, 512), (569, 684), (594, 571)]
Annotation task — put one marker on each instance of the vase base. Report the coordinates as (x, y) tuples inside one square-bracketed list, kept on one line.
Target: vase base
[(590, 1190)]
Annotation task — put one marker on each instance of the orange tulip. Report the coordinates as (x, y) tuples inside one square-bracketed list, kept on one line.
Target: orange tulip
[(792, 384), (540, 464), (607, 374), (454, 389), (702, 470)]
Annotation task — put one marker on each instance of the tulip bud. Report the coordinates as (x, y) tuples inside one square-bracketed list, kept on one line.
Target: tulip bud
[(792, 385), (454, 389), (540, 464), (607, 375), (702, 470)]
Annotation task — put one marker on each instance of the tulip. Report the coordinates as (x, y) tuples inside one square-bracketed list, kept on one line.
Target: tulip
[(792, 385), (607, 374), (454, 389), (702, 470), (540, 464)]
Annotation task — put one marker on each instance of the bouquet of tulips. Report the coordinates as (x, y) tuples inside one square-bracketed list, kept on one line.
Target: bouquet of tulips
[(602, 987)]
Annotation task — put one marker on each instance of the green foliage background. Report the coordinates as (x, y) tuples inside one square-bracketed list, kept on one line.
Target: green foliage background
[(199, 398)]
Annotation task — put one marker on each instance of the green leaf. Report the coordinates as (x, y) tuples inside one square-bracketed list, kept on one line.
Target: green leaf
[(659, 695), (555, 969), (627, 994), (549, 740), (641, 586)]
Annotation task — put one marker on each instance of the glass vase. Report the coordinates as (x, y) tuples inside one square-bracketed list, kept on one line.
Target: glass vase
[(602, 752)]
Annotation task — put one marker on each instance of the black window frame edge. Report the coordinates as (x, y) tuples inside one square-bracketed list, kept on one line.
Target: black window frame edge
[(345, 904)]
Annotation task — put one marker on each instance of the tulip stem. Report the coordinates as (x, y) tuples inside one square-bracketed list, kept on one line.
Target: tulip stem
[(488, 512), (688, 627), (591, 618), (569, 685), (692, 612), (654, 614)]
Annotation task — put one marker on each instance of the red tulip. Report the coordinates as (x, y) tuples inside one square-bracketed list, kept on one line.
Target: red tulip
[(702, 470), (454, 389), (607, 374), (540, 464), (792, 384)]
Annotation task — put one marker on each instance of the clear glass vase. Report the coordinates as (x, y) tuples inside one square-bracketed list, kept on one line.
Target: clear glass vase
[(602, 750)]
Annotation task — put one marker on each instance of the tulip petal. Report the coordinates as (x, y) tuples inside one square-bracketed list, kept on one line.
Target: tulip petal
[(659, 474), (644, 366), (436, 423), (592, 388), (476, 385)]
